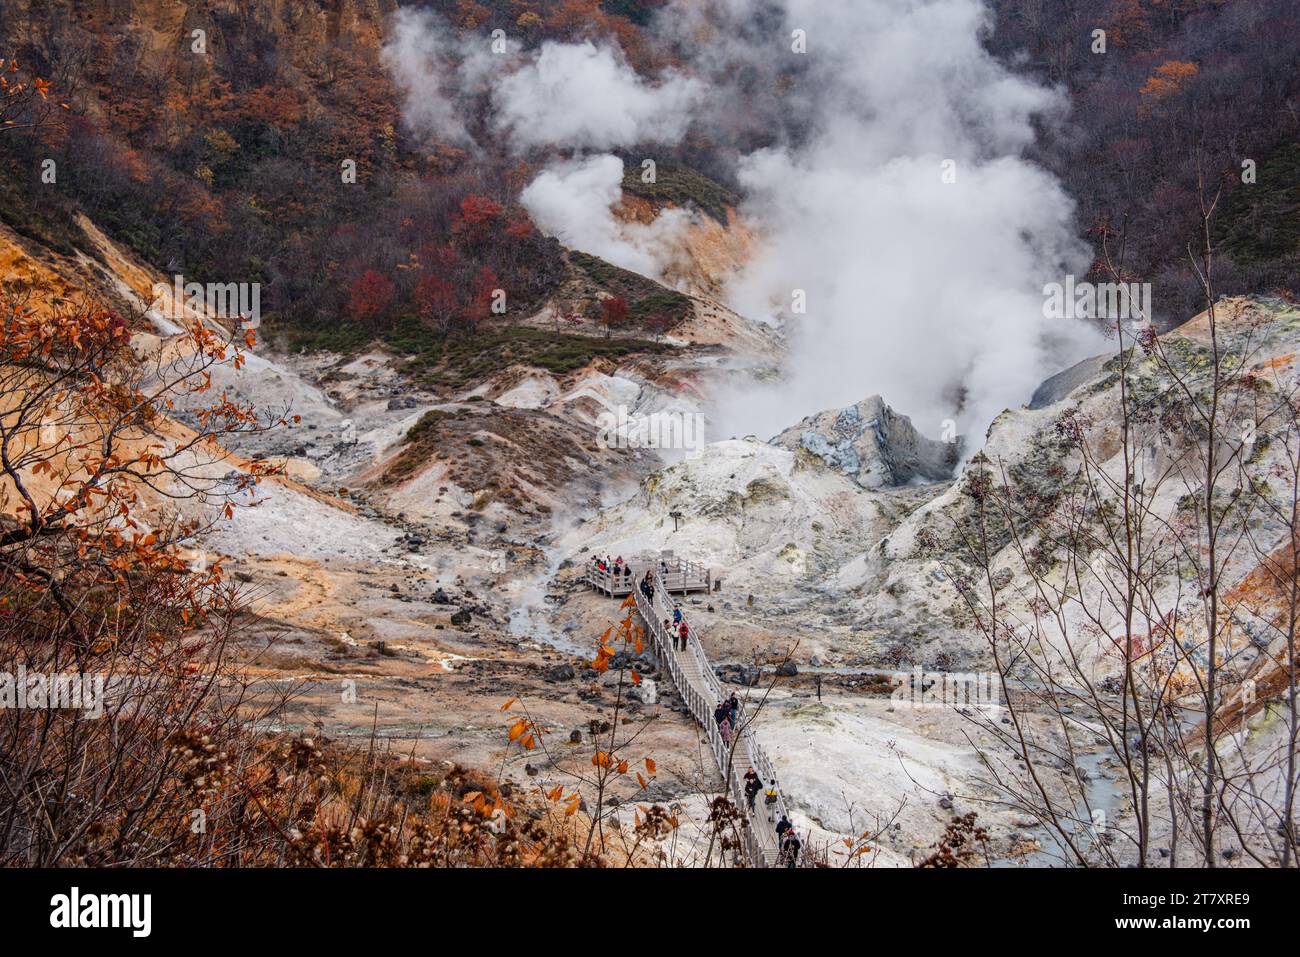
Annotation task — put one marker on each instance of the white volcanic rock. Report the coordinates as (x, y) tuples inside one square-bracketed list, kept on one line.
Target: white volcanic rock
[(534, 392), (873, 445), (904, 582), (756, 510)]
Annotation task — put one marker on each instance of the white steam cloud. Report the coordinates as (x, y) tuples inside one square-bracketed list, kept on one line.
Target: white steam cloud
[(574, 202), (926, 292), (423, 59), (572, 96), (581, 96)]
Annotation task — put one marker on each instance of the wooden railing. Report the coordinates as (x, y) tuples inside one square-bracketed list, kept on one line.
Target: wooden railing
[(681, 576), (760, 842)]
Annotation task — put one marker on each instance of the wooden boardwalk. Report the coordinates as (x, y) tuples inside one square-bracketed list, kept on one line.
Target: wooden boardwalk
[(700, 689), (674, 573)]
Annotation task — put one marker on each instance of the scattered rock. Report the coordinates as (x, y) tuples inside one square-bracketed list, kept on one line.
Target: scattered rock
[(563, 672)]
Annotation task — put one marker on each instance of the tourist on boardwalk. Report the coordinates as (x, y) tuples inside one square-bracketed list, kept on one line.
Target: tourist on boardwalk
[(790, 847), (752, 786), (682, 633), (782, 826), (677, 614), (734, 704), (769, 798), (725, 727)]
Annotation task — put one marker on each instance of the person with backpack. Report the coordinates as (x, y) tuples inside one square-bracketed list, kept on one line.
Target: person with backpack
[(752, 786), (782, 826), (790, 848)]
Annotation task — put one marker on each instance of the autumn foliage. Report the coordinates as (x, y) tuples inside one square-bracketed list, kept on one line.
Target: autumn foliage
[(613, 313), (582, 786), (101, 577)]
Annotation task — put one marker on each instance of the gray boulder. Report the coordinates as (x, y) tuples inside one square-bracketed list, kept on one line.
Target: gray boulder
[(873, 445)]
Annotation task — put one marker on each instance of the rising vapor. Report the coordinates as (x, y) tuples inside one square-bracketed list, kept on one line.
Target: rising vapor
[(924, 291)]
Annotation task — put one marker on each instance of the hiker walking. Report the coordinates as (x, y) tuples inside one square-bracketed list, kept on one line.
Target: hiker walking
[(752, 786), (790, 848), (782, 826), (682, 633)]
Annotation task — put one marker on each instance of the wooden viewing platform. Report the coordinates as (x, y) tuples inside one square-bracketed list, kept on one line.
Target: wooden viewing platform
[(700, 689), (675, 574)]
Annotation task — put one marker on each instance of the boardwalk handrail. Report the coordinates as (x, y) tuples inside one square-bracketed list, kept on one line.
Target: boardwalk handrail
[(744, 743), (681, 576)]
